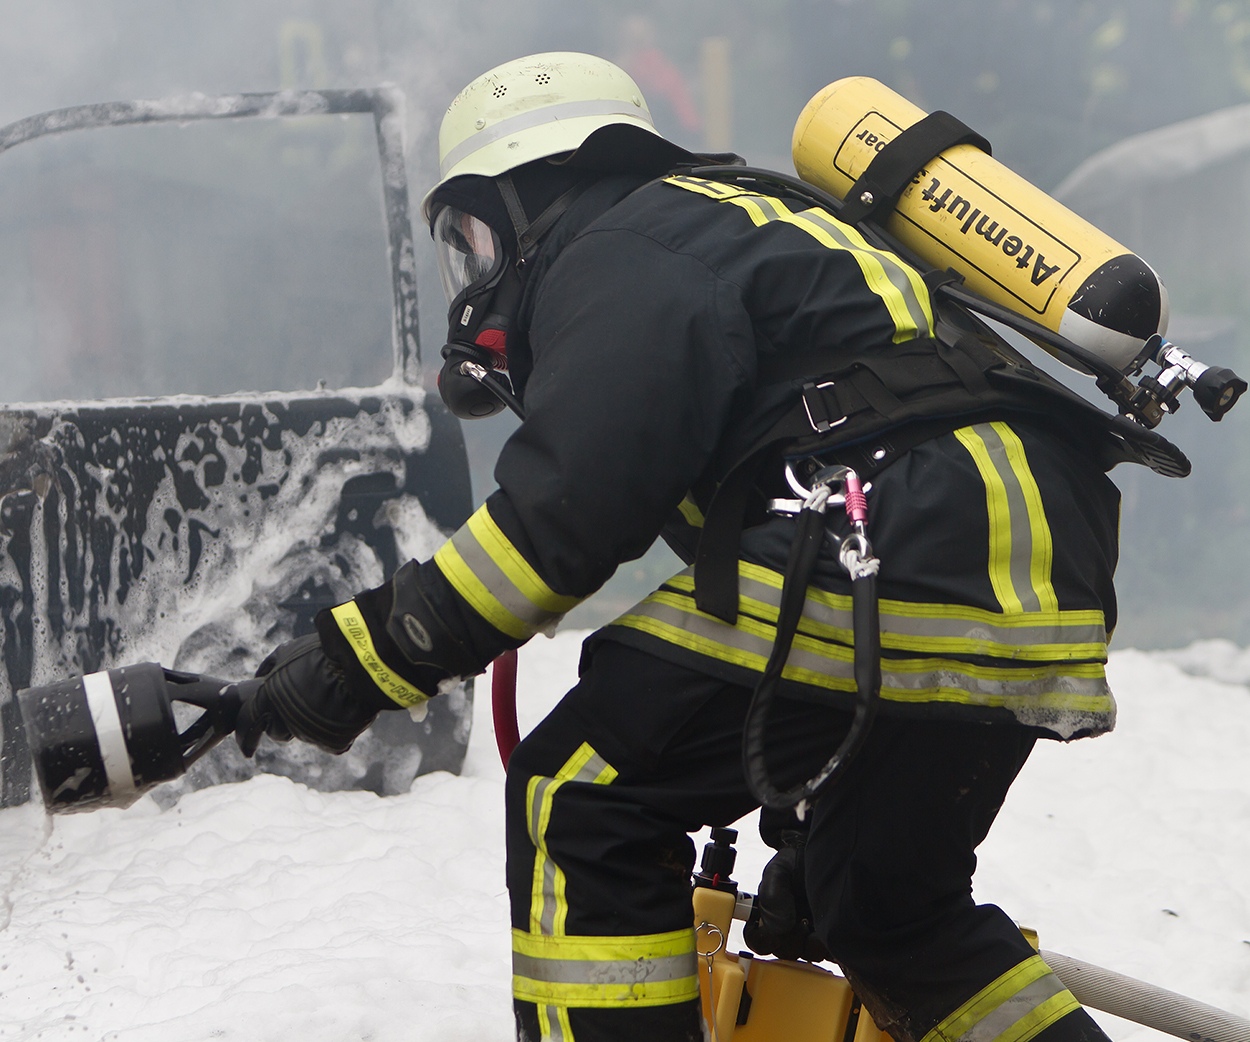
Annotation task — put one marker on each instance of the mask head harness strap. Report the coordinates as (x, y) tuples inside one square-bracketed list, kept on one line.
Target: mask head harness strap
[(528, 233), (471, 382)]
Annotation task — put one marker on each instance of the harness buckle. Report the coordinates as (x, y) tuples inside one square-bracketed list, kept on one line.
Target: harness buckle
[(818, 414)]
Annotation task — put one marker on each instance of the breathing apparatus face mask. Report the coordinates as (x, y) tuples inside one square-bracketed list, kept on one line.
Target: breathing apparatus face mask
[(484, 284), (467, 248), (483, 290)]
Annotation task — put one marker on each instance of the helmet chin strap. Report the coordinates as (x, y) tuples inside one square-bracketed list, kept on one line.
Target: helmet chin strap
[(528, 232)]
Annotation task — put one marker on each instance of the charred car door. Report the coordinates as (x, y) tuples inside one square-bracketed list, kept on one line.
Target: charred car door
[(208, 340)]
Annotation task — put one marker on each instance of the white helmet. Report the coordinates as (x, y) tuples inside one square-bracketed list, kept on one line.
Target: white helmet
[(535, 107)]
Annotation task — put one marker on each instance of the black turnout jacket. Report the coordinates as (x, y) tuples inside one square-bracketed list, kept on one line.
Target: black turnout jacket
[(651, 313)]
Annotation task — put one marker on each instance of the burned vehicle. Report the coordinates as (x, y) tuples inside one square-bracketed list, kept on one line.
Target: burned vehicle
[(214, 422)]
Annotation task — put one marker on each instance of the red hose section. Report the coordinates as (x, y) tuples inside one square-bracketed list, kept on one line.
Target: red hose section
[(503, 704)]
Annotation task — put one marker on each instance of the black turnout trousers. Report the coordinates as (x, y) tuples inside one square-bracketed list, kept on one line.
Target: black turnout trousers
[(603, 794)]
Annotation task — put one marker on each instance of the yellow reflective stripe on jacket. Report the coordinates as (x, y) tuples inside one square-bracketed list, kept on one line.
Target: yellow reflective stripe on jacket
[(673, 617), (352, 625), (647, 970), (690, 512), (898, 285), (1064, 695), (1018, 1006), (1021, 550), (934, 629), (489, 572)]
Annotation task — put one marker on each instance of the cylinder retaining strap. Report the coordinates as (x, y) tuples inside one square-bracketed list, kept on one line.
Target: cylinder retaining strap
[(891, 170)]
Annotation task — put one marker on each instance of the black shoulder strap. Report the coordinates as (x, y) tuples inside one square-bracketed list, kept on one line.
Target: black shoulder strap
[(891, 170), (716, 558)]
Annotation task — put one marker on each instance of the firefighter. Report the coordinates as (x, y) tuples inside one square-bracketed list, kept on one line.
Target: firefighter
[(655, 323)]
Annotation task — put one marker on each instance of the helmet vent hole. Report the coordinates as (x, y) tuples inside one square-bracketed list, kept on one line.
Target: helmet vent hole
[(542, 79), (500, 91)]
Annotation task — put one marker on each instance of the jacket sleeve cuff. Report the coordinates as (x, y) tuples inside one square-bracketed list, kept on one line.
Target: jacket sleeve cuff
[(496, 581)]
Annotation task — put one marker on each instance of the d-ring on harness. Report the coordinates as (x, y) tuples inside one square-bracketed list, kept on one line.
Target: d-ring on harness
[(839, 485)]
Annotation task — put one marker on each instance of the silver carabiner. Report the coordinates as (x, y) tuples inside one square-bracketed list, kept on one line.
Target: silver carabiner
[(856, 556), (829, 476)]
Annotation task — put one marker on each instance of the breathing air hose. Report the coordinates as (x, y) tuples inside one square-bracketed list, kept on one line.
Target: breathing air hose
[(1146, 1004), (856, 556)]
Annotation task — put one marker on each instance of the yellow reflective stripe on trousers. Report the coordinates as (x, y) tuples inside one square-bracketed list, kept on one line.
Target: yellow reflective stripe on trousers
[(548, 908), (647, 970), (935, 629), (556, 971), (489, 572), (1021, 550), (352, 625), (1018, 1006), (898, 285)]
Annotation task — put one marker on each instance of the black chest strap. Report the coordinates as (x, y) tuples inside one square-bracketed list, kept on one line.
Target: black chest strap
[(865, 414), (716, 558)]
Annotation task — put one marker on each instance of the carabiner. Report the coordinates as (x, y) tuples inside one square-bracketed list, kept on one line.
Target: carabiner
[(855, 554), (826, 477)]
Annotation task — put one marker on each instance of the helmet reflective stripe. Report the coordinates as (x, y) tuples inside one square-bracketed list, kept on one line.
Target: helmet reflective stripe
[(532, 108), (526, 120)]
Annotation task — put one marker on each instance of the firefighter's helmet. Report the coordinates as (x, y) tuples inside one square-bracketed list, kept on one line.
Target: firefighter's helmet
[(541, 106)]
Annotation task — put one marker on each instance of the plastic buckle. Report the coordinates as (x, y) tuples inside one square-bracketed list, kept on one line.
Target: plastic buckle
[(815, 403)]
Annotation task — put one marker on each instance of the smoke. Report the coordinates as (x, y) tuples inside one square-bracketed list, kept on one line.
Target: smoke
[(1049, 83)]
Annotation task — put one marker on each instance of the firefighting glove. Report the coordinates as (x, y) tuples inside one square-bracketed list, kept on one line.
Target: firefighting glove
[(392, 639), (385, 649), (304, 695), (783, 923)]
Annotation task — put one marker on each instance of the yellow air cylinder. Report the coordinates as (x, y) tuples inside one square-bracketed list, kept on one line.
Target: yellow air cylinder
[(1012, 243)]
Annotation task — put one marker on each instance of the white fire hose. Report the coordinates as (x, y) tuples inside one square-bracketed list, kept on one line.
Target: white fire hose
[(1146, 1004)]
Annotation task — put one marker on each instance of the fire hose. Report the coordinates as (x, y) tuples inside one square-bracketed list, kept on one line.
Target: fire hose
[(1146, 1004), (503, 705)]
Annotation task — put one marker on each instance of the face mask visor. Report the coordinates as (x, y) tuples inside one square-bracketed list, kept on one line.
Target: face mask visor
[(467, 249)]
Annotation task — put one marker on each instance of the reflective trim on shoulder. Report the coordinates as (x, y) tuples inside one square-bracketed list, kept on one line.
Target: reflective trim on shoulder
[(605, 972), (489, 572), (352, 625), (1018, 1006), (897, 284), (1021, 550)]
